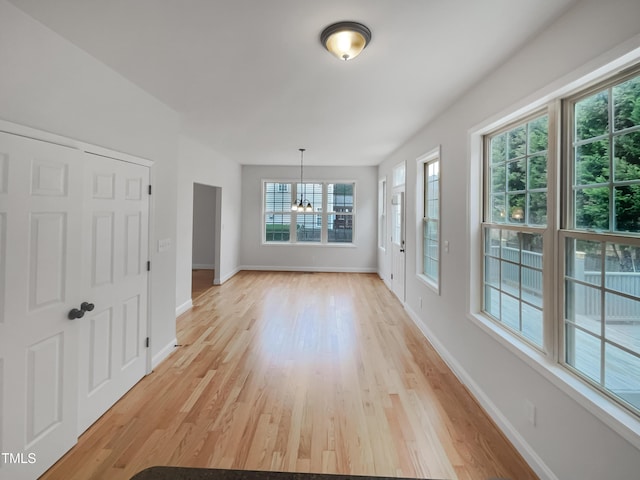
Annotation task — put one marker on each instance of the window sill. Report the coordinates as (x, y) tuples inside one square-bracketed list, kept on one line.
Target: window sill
[(615, 416), (429, 283), (309, 244)]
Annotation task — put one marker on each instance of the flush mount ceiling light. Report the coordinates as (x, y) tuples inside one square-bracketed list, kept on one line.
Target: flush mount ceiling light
[(345, 40)]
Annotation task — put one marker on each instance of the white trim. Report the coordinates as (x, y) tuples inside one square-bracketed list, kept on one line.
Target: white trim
[(314, 269), (184, 307), (434, 155), (221, 280), (511, 432), (164, 353), (35, 134), (613, 415), (203, 266)]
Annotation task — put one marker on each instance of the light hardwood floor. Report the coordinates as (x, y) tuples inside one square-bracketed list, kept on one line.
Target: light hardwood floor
[(298, 372), (201, 281)]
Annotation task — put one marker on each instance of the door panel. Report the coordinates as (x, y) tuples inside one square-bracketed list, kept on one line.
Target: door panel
[(397, 245), (40, 216), (112, 336)]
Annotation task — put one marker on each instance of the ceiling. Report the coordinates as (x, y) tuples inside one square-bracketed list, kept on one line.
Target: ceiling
[(251, 80)]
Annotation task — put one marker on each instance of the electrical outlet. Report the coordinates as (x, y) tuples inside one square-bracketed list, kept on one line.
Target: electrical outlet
[(446, 246)]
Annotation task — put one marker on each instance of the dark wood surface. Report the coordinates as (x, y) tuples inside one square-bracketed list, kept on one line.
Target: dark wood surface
[(185, 473)]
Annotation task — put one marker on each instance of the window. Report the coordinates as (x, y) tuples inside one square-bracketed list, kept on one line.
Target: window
[(331, 220), (428, 209), (515, 220), (340, 208), (596, 235), (277, 212), (601, 238)]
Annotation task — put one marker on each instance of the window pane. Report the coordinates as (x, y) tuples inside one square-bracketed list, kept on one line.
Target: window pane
[(510, 310), (622, 269), (537, 209), (592, 116), (277, 197), (583, 352), (625, 104), (499, 148), (622, 374), (622, 321), (517, 175), (307, 229), (538, 171), (584, 260), (312, 193), (532, 323), (532, 286), (492, 241), (626, 150), (583, 306), (492, 302), (498, 209), (592, 163), (517, 208), (340, 197), (592, 208), (498, 178), (340, 228), (510, 243), (532, 250), (277, 227), (492, 271), (538, 134), (517, 142), (627, 208)]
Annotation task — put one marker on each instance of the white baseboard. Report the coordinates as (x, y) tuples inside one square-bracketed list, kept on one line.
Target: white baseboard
[(228, 275), (183, 308), (280, 268), (523, 447), (203, 266), (164, 353)]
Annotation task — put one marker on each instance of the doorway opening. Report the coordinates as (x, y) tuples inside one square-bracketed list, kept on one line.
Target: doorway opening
[(205, 256)]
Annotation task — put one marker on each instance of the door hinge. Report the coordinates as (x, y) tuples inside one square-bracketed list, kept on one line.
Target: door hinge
[(147, 342), (392, 276), (148, 266), (149, 189)]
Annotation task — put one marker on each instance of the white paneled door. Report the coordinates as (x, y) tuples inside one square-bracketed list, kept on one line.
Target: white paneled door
[(73, 229), (398, 245), (40, 218), (113, 333)]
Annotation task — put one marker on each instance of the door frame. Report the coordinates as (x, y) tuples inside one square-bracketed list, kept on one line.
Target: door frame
[(42, 136), (398, 188), (217, 225)]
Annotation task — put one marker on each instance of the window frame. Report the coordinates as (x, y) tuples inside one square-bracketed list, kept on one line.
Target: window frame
[(546, 232), (422, 163), (567, 228), (551, 359), (320, 211)]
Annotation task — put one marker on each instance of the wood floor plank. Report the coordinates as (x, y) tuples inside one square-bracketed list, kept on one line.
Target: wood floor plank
[(298, 372)]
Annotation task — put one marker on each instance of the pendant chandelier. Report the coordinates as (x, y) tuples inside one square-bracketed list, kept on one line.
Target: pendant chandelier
[(304, 205)]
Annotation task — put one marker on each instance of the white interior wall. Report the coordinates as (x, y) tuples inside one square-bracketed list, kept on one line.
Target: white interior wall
[(202, 165), (568, 441), (358, 258), (51, 85), (204, 205)]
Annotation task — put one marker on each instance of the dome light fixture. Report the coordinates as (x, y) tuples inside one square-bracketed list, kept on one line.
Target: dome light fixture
[(345, 40)]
